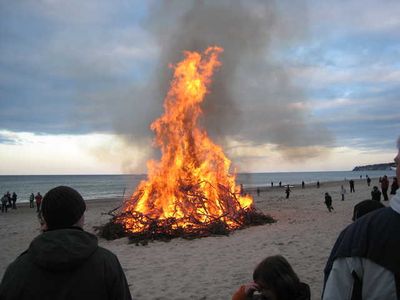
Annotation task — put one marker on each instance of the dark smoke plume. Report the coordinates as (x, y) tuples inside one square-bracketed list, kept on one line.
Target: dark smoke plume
[(252, 99)]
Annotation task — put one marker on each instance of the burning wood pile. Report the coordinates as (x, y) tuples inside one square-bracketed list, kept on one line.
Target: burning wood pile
[(191, 191)]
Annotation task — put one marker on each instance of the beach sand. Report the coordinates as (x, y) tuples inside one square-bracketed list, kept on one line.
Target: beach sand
[(214, 267)]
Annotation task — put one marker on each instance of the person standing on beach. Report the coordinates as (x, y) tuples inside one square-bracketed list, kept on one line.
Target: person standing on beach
[(376, 194), (64, 262), (351, 183), (385, 187), (318, 184), (368, 181), (302, 184), (9, 199), (287, 191), (258, 192), (14, 200), (342, 192), (38, 199), (4, 201), (328, 202), (394, 186), (275, 279), (364, 262), (31, 199)]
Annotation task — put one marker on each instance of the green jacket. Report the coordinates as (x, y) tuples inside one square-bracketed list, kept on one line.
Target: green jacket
[(65, 264)]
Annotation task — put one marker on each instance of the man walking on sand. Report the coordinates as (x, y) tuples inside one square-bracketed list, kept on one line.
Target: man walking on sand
[(328, 202), (364, 262), (64, 262)]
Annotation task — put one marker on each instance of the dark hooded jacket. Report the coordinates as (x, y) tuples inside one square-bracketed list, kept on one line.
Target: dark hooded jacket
[(65, 264)]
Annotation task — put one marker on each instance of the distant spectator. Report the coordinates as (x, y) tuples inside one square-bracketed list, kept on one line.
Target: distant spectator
[(385, 187), (9, 199), (376, 194), (302, 184), (272, 184), (274, 279), (287, 191), (4, 201), (394, 186), (364, 207), (351, 183), (258, 191), (368, 181), (38, 199), (31, 199), (280, 183), (328, 202), (317, 184), (342, 192), (14, 200)]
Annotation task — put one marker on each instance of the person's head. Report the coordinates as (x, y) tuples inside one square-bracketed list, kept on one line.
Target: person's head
[(375, 188), (364, 207), (62, 207), (276, 278)]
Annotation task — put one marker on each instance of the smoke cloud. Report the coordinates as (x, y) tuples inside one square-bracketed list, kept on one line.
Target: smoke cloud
[(253, 99)]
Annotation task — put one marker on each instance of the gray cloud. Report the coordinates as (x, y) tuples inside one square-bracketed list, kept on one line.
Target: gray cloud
[(251, 94)]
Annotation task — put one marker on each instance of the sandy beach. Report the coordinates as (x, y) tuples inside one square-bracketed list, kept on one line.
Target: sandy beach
[(214, 267)]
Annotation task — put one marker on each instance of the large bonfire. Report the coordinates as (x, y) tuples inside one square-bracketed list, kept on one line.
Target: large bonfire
[(191, 191)]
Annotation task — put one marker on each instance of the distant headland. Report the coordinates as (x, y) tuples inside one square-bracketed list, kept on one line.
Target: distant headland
[(376, 167)]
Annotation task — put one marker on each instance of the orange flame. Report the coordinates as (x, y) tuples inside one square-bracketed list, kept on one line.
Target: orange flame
[(192, 183)]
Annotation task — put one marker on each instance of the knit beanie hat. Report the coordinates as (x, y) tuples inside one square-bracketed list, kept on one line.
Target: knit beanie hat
[(62, 207)]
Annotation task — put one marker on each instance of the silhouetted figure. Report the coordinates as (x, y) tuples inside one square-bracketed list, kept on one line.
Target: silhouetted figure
[(272, 184), (385, 187), (38, 199), (287, 191), (31, 199), (394, 186), (365, 207), (368, 181), (376, 194), (342, 192), (302, 184), (318, 184), (280, 183), (9, 199), (258, 191), (14, 200), (351, 183), (328, 202), (4, 201)]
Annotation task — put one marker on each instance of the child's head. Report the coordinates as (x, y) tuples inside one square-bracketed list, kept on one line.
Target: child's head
[(276, 278)]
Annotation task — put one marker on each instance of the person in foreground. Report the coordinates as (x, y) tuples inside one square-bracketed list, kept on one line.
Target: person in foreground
[(64, 262), (274, 279), (365, 262)]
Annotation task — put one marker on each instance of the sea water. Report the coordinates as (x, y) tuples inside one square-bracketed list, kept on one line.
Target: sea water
[(119, 186)]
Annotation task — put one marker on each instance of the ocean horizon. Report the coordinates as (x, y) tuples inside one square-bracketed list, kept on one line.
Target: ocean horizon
[(119, 186)]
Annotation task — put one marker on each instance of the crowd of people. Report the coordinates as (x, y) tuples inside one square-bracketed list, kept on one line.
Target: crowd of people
[(66, 262), (9, 201)]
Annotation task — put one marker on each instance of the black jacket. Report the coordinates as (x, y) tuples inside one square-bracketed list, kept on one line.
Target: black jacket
[(65, 264)]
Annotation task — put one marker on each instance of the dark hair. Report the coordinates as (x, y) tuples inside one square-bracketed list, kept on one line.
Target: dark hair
[(62, 207), (277, 274)]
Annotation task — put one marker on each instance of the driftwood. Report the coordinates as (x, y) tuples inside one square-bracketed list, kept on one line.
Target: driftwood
[(167, 229), (192, 200)]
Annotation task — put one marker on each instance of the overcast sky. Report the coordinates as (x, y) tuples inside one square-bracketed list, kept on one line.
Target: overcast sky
[(303, 86)]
